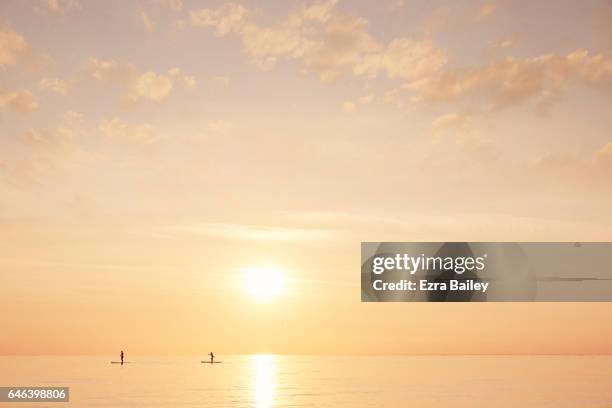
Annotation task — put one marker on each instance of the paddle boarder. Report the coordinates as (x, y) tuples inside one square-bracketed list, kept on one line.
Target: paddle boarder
[(212, 357), (121, 357)]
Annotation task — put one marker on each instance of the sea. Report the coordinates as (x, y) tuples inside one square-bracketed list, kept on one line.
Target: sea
[(264, 381)]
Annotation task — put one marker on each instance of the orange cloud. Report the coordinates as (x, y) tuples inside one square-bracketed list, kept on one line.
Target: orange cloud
[(151, 86), (512, 80), (21, 101), (486, 10), (147, 21), (111, 71), (450, 121), (148, 85), (325, 41), (45, 152), (174, 5), (63, 7), (348, 107), (226, 18), (13, 47), (54, 85), (15, 51), (117, 130), (251, 232)]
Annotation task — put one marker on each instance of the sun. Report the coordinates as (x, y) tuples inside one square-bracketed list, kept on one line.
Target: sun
[(264, 283)]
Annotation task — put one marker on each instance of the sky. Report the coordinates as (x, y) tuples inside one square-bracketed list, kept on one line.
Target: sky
[(151, 151)]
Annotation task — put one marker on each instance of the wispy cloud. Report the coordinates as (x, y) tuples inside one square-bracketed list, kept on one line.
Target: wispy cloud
[(45, 152), (326, 41), (486, 10), (16, 51), (251, 232), (117, 130), (54, 85), (21, 101), (149, 85), (147, 21), (512, 81), (63, 7)]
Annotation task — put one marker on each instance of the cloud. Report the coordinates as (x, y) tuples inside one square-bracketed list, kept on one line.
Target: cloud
[(13, 47), (366, 99), (454, 17), (486, 10), (450, 121), (501, 44), (117, 130), (148, 85), (325, 41), (111, 71), (462, 129), (187, 80), (499, 47), (41, 154), (396, 4), (54, 85), (147, 21), (15, 51), (568, 170), (63, 7), (21, 101), (430, 225), (44, 152), (405, 59), (151, 86), (348, 107), (511, 81), (226, 18), (250, 232), (174, 5), (164, 16)]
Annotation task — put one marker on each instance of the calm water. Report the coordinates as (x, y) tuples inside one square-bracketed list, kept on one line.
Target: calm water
[(298, 381)]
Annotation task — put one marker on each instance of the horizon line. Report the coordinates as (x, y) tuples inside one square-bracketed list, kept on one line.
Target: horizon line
[(329, 354)]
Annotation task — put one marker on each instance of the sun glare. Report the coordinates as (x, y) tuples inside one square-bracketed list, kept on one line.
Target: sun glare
[(264, 283), (264, 384)]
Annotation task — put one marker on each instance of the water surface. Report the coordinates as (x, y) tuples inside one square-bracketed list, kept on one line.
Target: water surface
[(320, 381)]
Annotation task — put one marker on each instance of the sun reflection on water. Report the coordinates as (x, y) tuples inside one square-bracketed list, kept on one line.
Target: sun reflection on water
[(264, 383)]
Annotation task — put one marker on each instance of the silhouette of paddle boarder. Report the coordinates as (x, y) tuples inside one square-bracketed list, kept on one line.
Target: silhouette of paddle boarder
[(212, 357), (121, 357)]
